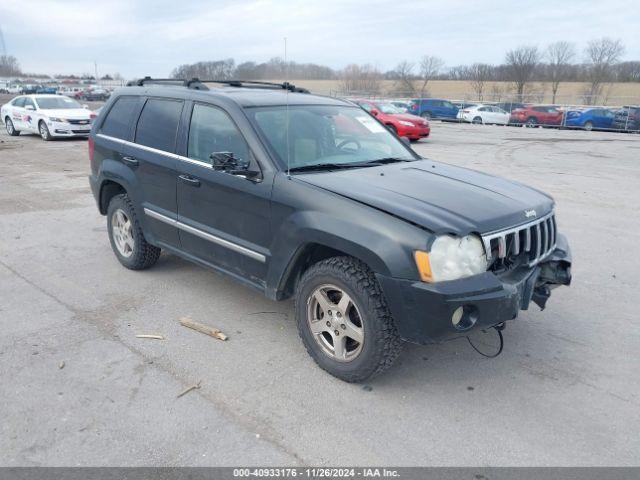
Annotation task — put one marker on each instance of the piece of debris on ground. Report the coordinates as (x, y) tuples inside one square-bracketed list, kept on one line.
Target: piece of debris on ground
[(154, 337), (202, 328), (187, 390)]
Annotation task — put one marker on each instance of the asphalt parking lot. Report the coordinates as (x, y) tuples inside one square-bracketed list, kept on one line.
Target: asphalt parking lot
[(565, 391)]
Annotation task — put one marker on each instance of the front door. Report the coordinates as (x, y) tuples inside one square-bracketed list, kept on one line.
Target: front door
[(223, 219)]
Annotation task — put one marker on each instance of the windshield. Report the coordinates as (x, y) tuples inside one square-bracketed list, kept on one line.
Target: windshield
[(57, 103), (388, 108), (326, 135)]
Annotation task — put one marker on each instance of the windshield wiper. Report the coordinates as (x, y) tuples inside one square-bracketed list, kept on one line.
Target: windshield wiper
[(336, 166), (329, 166)]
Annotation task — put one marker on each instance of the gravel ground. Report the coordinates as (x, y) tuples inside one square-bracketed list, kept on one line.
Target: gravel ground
[(565, 391)]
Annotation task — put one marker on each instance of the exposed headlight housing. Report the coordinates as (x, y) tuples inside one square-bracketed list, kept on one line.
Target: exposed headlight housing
[(452, 258), (405, 123)]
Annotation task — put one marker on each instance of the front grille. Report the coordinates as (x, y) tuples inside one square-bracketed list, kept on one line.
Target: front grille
[(79, 122), (529, 244)]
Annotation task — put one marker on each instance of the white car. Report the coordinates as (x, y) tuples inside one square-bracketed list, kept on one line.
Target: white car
[(483, 114), (49, 116)]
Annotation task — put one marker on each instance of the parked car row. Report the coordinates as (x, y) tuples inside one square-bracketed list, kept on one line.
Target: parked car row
[(626, 118), (91, 92)]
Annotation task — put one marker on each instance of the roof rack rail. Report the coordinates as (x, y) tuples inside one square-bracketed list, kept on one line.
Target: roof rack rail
[(197, 84)]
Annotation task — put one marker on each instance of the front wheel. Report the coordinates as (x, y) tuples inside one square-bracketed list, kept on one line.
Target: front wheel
[(343, 319), (44, 131), (11, 130), (426, 115), (477, 120), (588, 126), (126, 236)]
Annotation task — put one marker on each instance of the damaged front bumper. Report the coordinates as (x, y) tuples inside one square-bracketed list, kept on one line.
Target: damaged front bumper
[(425, 312)]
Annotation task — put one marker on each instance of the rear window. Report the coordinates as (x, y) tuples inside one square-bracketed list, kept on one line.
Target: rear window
[(158, 124), (119, 118)]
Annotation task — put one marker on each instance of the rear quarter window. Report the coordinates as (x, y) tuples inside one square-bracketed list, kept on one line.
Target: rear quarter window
[(118, 120), (158, 124)]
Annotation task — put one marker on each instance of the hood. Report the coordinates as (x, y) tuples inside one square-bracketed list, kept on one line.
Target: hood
[(439, 197), (72, 113), (408, 117)]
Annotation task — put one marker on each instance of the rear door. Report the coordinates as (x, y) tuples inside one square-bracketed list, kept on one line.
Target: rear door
[(153, 157), (224, 219)]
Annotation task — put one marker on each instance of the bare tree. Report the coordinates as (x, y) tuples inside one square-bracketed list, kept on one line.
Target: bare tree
[(404, 75), (9, 66), (479, 74), (559, 56), (218, 69), (430, 66), (521, 64), (602, 55), (361, 78)]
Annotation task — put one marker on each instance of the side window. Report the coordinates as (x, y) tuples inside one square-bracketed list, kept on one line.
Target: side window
[(19, 102), (158, 124), (119, 118), (484, 109), (28, 101), (448, 105), (212, 130)]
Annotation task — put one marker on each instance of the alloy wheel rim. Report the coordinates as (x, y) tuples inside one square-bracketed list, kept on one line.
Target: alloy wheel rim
[(43, 131), (9, 127), (121, 229), (335, 323)]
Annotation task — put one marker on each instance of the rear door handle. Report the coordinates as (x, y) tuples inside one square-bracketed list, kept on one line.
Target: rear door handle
[(194, 182), (130, 161)]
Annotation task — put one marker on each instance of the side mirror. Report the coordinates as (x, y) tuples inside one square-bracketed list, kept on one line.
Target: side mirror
[(228, 163), (29, 107)]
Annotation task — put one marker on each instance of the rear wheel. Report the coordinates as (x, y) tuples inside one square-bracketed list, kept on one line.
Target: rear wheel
[(11, 130), (531, 122), (44, 131), (477, 120), (426, 115), (588, 126), (126, 236), (343, 319)]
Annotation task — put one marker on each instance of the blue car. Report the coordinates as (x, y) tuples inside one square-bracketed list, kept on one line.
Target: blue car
[(590, 118), (46, 90), (428, 108)]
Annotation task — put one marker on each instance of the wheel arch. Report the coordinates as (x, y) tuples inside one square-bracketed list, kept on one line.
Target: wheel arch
[(283, 276), (108, 190)]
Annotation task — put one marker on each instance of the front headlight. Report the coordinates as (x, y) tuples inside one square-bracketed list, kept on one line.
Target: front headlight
[(452, 258), (56, 119), (408, 124)]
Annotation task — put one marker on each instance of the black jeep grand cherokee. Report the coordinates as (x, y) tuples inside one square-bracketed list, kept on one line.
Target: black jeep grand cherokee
[(303, 195)]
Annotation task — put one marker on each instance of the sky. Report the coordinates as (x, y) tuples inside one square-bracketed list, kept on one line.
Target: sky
[(151, 37)]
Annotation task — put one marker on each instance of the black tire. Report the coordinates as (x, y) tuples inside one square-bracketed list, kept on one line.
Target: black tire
[(381, 345), (531, 122), (588, 126), (426, 115), (143, 255), (11, 130), (45, 134), (477, 120)]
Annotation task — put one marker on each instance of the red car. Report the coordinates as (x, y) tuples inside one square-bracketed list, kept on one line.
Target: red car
[(532, 115), (403, 124)]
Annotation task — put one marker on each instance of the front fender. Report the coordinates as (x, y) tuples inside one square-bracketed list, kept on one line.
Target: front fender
[(385, 247)]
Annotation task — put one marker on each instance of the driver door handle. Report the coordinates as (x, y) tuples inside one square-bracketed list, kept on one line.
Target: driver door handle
[(189, 180)]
